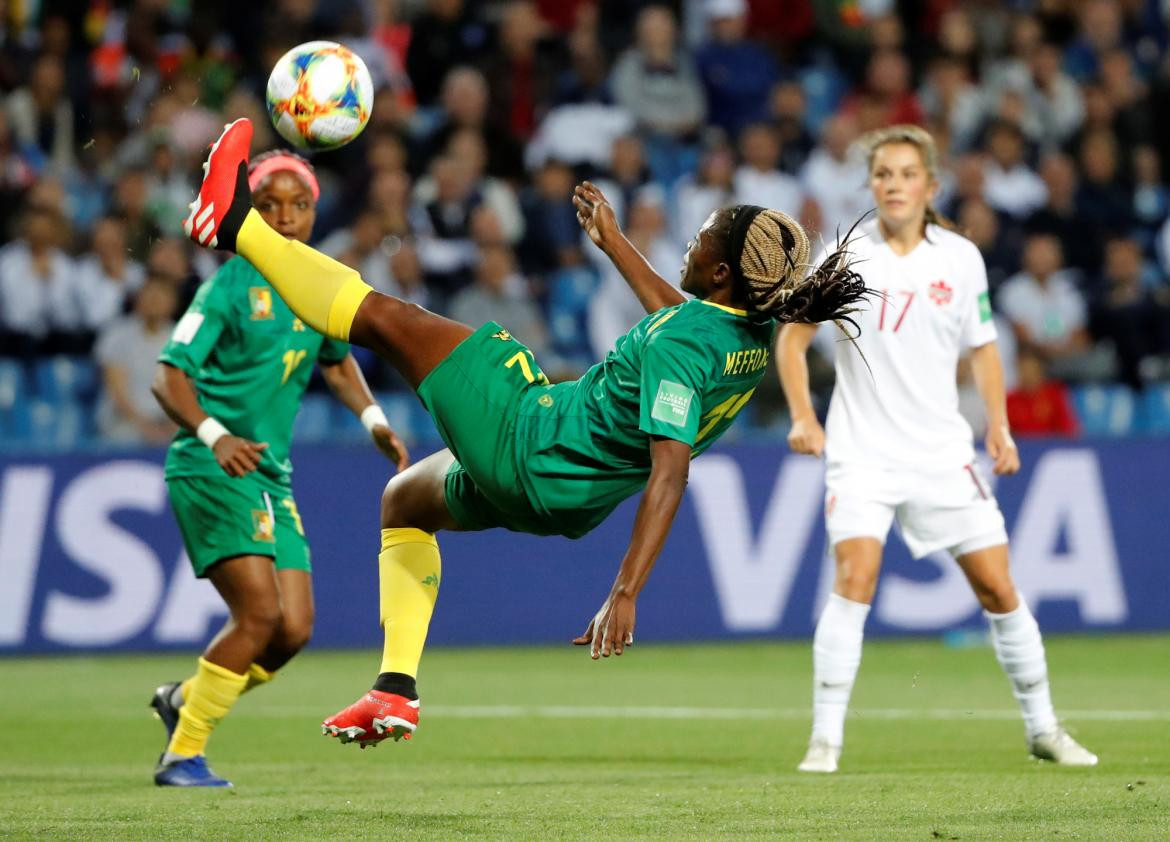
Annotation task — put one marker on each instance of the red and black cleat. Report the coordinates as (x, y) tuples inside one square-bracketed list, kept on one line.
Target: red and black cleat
[(374, 717), (224, 198)]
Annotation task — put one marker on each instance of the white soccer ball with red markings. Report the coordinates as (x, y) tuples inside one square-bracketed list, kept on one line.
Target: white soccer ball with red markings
[(320, 95)]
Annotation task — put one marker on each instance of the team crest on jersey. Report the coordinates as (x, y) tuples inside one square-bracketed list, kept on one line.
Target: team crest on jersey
[(941, 293), (260, 303), (262, 527), (298, 326), (503, 336)]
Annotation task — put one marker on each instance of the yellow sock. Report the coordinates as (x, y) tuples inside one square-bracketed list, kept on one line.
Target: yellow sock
[(257, 675), (324, 293), (210, 696), (408, 576)]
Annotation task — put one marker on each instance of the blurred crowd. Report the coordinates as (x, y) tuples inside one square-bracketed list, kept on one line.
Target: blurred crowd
[(1052, 117)]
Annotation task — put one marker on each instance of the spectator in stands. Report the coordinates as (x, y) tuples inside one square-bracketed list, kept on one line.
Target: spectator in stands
[(1132, 123), (1102, 200), (42, 116), (1151, 198), (1100, 31), (168, 190), (523, 69), (788, 112), (441, 216), (467, 146), (626, 174), (998, 246), (656, 81), (737, 74), (107, 277), (886, 97), (1054, 99), (552, 237), (1130, 315), (949, 97), (40, 299), (16, 173), (127, 350), (389, 198), (1042, 302), (445, 35), (131, 203), (758, 181), (1061, 217), (1009, 184), (835, 177), (697, 195), (406, 275), (500, 293), (1040, 405), (465, 104)]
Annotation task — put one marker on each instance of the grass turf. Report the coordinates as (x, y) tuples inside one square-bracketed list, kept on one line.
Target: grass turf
[(77, 748)]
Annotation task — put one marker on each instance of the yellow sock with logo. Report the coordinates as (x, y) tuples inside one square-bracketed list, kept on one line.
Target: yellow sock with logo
[(323, 293), (409, 569), (257, 675), (212, 692)]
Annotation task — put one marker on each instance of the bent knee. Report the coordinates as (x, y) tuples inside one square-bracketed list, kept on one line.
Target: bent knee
[(856, 580), (260, 622), (396, 505), (998, 597), (295, 636)]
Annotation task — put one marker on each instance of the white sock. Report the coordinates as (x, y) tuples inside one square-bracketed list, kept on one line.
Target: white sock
[(1020, 651), (836, 657)]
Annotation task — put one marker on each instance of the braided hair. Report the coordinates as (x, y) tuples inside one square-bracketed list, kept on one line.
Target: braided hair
[(768, 252)]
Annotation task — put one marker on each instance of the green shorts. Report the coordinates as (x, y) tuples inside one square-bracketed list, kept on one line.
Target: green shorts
[(473, 397), (222, 517)]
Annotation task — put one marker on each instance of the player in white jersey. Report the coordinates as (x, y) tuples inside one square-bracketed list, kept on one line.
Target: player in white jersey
[(897, 448)]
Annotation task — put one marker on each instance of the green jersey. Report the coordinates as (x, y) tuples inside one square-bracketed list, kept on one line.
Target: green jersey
[(251, 359), (682, 373)]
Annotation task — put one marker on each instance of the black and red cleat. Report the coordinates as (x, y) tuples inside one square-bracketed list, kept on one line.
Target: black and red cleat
[(374, 717), (224, 198)]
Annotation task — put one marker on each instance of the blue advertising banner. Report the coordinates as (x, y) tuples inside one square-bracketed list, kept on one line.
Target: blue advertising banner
[(90, 557)]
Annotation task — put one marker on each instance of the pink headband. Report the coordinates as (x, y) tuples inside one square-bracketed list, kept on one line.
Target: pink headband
[(284, 163)]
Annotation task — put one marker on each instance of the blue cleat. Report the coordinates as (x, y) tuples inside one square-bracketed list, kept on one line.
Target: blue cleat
[(164, 709), (193, 771)]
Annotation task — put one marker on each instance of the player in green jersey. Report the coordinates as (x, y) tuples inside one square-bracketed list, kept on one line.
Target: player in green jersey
[(232, 376), (524, 454)]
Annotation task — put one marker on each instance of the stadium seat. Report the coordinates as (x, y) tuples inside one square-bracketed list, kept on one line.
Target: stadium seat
[(1106, 410), (1156, 410), (63, 378), (569, 293), (56, 425), (312, 422)]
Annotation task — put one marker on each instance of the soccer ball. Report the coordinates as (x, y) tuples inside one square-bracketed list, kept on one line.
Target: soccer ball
[(319, 95)]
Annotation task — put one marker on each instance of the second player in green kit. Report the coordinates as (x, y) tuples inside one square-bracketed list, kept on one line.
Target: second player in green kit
[(232, 376)]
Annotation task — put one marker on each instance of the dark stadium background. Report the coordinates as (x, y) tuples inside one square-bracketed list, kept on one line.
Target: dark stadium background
[(1052, 121)]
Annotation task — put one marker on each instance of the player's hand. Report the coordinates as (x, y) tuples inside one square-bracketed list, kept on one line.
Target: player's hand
[(611, 629), (594, 213), (807, 436), (1002, 449), (238, 456), (387, 441)]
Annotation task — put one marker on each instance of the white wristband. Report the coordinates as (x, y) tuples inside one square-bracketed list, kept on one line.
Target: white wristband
[(210, 431), (373, 416)]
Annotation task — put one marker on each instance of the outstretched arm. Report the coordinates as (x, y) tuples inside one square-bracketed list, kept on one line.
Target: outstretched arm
[(613, 626), (597, 218), (347, 383)]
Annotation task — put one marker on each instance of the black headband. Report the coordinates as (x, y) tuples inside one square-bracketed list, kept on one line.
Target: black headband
[(740, 223)]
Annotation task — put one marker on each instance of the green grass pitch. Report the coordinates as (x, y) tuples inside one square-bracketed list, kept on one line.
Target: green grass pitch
[(672, 742)]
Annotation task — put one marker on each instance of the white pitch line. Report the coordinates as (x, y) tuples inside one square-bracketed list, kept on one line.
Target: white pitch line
[(732, 714)]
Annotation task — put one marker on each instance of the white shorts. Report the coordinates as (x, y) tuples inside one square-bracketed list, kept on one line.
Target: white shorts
[(936, 509)]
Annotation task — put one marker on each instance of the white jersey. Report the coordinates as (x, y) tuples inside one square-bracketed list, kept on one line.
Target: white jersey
[(902, 411)]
